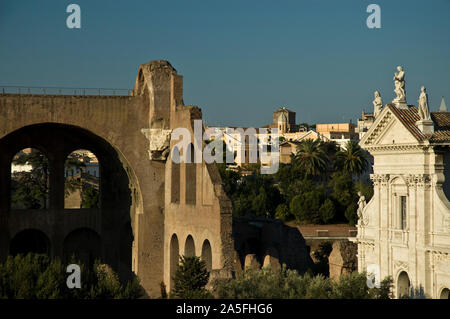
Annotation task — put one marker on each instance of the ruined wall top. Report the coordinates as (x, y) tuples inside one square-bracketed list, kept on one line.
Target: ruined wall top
[(161, 88)]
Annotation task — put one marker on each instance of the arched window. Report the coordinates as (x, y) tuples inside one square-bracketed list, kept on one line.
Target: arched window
[(29, 180), (29, 241), (82, 184), (174, 257), (84, 244), (189, 247), (175, 176), (191, 176), (207, 254)]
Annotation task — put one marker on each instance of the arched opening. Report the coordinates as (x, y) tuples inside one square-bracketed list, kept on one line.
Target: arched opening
[(403, 285), (189, 247), (207, 254), (174, 257), (175, 176), (445, 294), (29, 180), (120, 195), (81, 180), (84, 244), (29, 241), (191, 176)]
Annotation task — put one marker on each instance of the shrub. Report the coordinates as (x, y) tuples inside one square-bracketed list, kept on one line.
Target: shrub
[(36, 276), (327, 211), (282, 212), (191, 278), (283, 283), (351, 215)]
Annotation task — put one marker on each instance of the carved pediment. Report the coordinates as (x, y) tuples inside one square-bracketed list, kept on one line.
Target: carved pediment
[(387, 130), (377, 128)]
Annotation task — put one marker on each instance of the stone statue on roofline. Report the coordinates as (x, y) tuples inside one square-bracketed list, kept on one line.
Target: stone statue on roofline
[(424, 112), (377, 103), (425, 124), (399, 81)]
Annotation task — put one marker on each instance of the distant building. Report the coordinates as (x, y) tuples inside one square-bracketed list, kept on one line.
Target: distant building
[(341, 133), (284, 121), (90, 165), (364, 123), (289, 147)]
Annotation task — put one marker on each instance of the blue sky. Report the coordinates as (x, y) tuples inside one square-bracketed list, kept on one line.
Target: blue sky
[(240, 59)]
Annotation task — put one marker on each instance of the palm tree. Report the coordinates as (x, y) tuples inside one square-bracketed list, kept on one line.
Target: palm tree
[(352, 159), (311, 157)]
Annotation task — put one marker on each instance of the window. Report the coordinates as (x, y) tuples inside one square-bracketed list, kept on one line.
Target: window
[(81, 185), (403, 215), (175, 178), (191, 177)]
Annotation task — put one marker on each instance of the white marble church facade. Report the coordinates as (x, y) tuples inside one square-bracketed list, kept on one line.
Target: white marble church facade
[(404, 231)]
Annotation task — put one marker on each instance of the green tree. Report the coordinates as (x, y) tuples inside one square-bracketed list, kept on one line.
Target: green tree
[(311, 157), (330, 148), (282, 212), (36, 276), (305, 207), (288, 284), (191, 278), (327, 211), (352, 159), (351, 214), (343, 193), (90, 197), (30, 189)]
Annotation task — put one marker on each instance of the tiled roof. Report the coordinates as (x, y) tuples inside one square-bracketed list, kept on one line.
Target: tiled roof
[(410, 116)]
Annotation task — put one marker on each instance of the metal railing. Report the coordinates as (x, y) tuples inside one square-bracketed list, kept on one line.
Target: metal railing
[(49, 90)]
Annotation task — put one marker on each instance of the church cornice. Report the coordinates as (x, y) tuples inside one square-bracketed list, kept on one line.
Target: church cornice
[(396, 148)]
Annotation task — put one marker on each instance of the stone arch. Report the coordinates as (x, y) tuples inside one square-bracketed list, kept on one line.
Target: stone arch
[(403, 284), (174, 257), (175, 176), (121, 195), (191, 176), (189, 247), (83, 243), (445, 294), (29, 241), (207, 254)]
